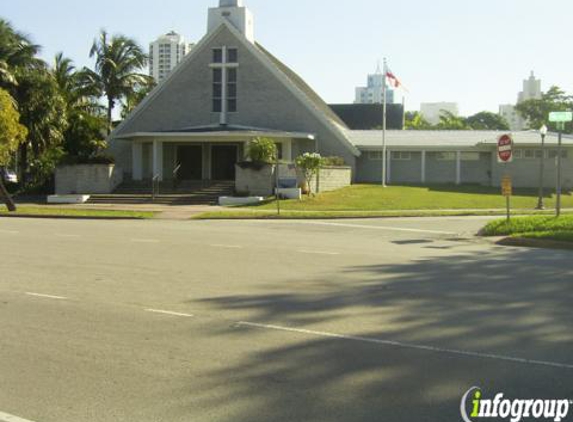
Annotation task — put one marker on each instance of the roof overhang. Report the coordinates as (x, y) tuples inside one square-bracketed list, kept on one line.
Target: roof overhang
[(217, 135)]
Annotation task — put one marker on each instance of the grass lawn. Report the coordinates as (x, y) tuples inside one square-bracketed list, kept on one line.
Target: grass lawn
[(375, 198), (395, 201), (73, 212), (535, 227)]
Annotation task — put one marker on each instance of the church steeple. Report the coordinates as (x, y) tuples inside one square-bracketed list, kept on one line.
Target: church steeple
[(235, 13), (230, 3)]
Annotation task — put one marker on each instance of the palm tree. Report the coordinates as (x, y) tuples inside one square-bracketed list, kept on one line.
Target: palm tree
[(17, 54), (118, 62), (84, 136)]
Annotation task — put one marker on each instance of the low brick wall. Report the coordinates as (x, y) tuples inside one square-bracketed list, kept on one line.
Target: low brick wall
[(262, 183), (87, 179)]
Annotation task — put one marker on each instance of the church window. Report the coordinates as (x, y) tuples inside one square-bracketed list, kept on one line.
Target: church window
[(217, 90), (232, 55), (217, 55), (232, 90)]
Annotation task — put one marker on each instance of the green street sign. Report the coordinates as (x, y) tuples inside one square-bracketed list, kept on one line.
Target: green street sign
[(561, 116)]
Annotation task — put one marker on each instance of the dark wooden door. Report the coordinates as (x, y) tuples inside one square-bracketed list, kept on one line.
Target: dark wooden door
[(190, 157), (223, 160)]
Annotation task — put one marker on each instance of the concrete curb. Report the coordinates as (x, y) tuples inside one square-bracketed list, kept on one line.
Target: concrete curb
[(69, 217), (534, 243)]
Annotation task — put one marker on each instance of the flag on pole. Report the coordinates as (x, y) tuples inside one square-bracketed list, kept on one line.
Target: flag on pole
[(393, 81)]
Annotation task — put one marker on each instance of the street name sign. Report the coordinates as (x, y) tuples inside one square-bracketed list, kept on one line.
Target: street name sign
[(505, 149), (561, 116)]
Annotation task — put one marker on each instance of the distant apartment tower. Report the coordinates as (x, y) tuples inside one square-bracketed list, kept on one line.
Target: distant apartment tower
[(165, 53), (433, 111), (531, 91), (373, 93)]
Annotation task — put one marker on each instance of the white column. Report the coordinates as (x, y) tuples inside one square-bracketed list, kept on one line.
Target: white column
[(423, 172), (458, 167), (158, 159), (389, 166), (287, 150), (137, 160)]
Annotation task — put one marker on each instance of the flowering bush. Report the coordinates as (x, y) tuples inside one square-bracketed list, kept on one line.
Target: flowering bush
[(262, 150), (309, 164)]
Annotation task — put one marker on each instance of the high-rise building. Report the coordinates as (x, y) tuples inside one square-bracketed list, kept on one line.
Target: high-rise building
[(433, 111), (165, 53), (373, 93), (531, 91)]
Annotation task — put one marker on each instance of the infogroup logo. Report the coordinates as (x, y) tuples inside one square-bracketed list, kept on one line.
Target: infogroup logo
[(500, 408)]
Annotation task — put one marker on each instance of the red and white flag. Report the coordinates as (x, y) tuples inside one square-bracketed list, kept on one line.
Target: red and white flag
[(393, 81)]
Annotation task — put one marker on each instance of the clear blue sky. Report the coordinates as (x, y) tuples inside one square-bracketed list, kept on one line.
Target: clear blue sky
[(475, 53)]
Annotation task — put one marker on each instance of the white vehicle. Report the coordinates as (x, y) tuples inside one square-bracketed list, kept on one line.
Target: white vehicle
[(8, 176)]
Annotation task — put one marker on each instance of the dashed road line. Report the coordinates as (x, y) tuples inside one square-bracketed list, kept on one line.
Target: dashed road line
[(170, 313), (144, 240), (373, 227), (319, 253), (68, 236), (411, 346), (6, 417), (45, 296), (227, 246)]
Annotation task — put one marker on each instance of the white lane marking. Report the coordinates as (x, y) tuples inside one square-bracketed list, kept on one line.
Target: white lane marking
[(9, 231), (144, 240), (46, 296), (227, 246), (171, 313), (370, 227), (67, 235), (6, 417), (319, 253), (409, 345)]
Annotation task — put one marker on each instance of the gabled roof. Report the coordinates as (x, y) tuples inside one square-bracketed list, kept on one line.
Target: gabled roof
[(290, 80), (296, 80), (372, 139)]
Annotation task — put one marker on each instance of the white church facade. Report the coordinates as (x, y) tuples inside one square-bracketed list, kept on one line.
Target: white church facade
[(229, 90)]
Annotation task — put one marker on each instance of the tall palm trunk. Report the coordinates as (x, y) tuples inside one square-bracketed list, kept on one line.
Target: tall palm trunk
[(110, 104), (6, 196)]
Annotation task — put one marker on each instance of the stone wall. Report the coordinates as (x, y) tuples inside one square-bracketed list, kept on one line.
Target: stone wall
[(87, 179), (255, 182), (263, 182)]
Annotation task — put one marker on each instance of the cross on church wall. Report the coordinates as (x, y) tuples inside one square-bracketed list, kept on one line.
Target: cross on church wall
[(224, 59)]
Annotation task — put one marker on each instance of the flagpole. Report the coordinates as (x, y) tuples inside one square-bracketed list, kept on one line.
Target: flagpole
[(384, 115)]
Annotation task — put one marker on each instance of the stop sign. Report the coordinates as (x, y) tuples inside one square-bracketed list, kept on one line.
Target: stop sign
[(505, 149)]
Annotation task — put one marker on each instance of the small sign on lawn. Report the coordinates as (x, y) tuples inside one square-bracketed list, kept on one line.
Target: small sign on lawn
[(506, 186)]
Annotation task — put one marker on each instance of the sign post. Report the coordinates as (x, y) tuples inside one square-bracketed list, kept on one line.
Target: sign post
[(507, 191), (505, 156), (560, 117)]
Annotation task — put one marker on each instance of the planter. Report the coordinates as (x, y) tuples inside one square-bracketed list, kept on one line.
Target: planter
[(68, 199), (228, 201)]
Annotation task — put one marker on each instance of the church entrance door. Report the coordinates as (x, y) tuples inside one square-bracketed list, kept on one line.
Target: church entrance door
[(190, 157), (223, 160)]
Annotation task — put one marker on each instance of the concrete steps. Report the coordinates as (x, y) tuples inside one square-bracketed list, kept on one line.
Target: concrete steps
[(185, 193)]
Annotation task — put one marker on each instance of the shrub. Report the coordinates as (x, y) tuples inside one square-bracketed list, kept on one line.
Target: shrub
[(262, 150), (333, 161), (309, 164), (71, 160)]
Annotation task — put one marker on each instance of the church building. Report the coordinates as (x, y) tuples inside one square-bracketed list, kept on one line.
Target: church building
[(227, 91)]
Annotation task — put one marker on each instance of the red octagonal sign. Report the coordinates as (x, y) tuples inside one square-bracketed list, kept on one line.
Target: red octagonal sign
[(505, 149)]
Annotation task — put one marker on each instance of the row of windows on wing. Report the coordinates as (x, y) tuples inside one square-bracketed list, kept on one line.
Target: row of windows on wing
[(232, 57)]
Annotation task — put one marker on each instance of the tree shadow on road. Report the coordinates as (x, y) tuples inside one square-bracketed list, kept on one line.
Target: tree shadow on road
[(515, 303)]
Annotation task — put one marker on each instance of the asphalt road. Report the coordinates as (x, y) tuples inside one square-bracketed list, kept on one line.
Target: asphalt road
[(355, 320)]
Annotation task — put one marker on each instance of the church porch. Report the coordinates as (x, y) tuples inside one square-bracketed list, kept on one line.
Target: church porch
[(204, 156)]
